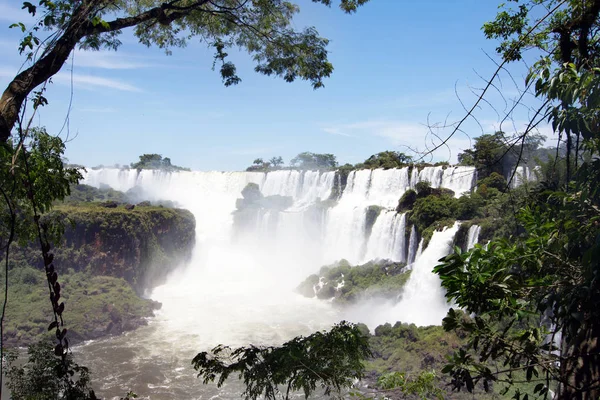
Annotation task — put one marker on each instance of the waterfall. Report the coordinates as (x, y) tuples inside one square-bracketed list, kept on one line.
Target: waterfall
[(473, 236), (330, 233), (238, 289), (388, 238), (423, 301), (412, 246), (458, 179), (522, 174)]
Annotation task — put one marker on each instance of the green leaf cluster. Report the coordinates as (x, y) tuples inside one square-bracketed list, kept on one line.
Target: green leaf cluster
[(156, 161), (328, 360)]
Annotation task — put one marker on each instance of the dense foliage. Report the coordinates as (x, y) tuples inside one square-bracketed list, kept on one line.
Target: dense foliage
[(37, 379), (140, 245), (386, 160), (534, 298), (328, 360), (308, 160), (98, 306), (156, 161)]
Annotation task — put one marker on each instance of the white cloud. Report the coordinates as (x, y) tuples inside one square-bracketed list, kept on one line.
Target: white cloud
[(93, 82), (109, 60), (397, 132), (517, 127), (406, 136), (335, 131), (80, 81)]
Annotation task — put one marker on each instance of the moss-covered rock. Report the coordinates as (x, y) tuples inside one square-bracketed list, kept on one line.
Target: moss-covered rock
[(95, 306), (407, 201), (141, 245), (347, 284), (371, 217), (253, 203)]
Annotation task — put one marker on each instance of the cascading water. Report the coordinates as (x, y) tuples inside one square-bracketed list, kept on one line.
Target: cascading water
[(523, 174), (473, 236), (423, 301), (387, 240), (241, 291), (412, 246)]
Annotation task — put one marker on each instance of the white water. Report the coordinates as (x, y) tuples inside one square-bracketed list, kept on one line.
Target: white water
[(423, 301), (388, 238), (412, 246), (473, 236), (241, 291), (523, 174)]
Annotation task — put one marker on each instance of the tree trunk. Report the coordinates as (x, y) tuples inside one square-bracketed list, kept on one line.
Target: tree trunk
[(24, 83), (580, 369)]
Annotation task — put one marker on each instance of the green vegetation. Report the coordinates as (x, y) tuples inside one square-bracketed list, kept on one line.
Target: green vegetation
[(308, 160), (37, 379), (348, 284), (326, 360), (156, 161), (260, 165), (410, 359), (425, 385), (386, 160), (87, 194), (141, 245), (544, 282), (98, 305)]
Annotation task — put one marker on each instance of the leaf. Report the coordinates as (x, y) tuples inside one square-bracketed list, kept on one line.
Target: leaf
[(31, 9), (538, 387), (52, 325)]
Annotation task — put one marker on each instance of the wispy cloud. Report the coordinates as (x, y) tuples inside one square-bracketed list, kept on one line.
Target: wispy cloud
[(90, 82), (94, 82), (406, 135), (109, 60), (397, 132), (335, 131), (517, 127)]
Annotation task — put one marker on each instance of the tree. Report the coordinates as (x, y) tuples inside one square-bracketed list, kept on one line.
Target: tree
[(276, 162), (259, 165), (156, 161), (387, 160), (263, 28), (534, 298), (37, 378), (331, 360), (489, 154), (32, 177), (308, 160)]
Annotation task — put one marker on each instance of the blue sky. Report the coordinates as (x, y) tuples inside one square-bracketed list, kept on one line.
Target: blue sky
[(398, 64)]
